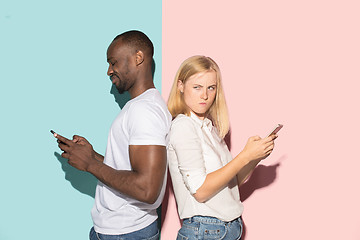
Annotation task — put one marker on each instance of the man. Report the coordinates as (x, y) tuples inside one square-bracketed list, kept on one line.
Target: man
[(132, 175)]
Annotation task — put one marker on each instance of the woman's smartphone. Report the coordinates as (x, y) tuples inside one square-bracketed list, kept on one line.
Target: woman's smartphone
[(276, 129)]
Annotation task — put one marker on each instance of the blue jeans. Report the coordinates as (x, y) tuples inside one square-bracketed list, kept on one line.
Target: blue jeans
[(199, 227), (150, 232)]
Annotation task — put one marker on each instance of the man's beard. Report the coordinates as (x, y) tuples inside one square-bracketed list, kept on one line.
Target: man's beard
[(119, 84), (121, 88)]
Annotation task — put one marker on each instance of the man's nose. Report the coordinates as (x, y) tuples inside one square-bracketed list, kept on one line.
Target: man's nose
[(109, 71)]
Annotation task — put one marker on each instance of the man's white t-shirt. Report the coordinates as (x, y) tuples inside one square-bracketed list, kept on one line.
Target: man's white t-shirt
[(144, 120)]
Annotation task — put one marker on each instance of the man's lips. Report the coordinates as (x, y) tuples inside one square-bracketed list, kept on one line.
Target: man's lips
[(113, 78)]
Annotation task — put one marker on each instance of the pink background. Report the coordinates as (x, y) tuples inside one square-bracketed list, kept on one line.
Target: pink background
[(290, 62)]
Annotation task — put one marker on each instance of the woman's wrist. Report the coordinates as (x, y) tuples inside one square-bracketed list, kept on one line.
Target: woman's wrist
[(244, 157)]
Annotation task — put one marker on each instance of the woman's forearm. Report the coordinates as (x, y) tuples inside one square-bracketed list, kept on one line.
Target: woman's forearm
[(220, 178)]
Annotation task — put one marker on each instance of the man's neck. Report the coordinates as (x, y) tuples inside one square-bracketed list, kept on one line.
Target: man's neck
[(138, 90)]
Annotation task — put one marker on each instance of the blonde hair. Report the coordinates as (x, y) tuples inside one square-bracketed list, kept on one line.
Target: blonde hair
[(218, 111)]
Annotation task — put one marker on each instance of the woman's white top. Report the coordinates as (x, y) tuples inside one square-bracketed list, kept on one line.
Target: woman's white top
[(195, 150)]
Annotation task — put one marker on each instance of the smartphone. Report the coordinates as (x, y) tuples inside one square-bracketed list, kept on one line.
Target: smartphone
[(53, 132), (276, 129)]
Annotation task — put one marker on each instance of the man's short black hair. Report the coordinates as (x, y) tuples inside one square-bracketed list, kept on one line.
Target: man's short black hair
[(137, 40)]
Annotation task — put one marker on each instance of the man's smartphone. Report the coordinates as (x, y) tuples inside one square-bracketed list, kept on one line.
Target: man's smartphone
[(53, 132), (276, 129)]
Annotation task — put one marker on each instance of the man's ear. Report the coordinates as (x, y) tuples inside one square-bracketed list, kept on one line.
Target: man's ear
[(180, 86), (139, 58)]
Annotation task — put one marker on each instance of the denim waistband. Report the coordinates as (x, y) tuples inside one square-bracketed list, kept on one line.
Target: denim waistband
[(206, 219)]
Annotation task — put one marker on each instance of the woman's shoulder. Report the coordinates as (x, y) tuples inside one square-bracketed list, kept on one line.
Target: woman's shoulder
[(181, 120), (182, 123), (183, 129)]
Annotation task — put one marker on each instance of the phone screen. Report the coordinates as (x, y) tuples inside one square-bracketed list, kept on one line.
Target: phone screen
[(276, 129)]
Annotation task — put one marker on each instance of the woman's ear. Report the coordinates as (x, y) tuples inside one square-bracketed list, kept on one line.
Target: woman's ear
[(180, 86)]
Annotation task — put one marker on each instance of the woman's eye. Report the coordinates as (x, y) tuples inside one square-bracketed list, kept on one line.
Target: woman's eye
[(196, 87), (211, 88)]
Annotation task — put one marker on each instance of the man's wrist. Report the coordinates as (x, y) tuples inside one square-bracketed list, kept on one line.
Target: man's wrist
[(99, 157), (94, 166)]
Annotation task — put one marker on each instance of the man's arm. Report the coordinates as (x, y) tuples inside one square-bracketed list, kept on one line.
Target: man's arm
[(142, 183)]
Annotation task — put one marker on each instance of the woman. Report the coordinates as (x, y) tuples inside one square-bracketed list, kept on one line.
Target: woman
[(205, 176)]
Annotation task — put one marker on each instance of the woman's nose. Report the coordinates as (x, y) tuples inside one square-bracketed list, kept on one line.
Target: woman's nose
[(204, 95)]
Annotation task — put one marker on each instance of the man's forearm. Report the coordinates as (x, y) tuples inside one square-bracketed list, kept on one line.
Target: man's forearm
[(130, 183)]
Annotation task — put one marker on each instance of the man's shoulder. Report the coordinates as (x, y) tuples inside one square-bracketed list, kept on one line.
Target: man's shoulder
[(149, 107), (150, 98)]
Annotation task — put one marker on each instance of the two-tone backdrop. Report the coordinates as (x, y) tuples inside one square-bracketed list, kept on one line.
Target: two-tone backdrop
[(295, 63), (53, 76)]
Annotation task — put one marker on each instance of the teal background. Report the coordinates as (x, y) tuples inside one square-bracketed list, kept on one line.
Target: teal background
[(53, 76)]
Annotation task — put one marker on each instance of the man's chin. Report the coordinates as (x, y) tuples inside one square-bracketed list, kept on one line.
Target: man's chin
[(120, 90)]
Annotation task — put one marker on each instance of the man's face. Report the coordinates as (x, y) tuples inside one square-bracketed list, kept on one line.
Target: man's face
[(121, 66)]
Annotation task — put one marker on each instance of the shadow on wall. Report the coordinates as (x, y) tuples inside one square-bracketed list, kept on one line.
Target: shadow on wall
[(168, 191), (84, 182), (227, 140), (120, 99), (261, 177)]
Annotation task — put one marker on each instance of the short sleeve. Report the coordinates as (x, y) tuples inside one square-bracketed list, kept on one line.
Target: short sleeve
[(147, 124), (187, 146)]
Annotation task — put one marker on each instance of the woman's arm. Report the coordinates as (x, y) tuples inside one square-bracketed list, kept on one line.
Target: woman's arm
[(241, 166)]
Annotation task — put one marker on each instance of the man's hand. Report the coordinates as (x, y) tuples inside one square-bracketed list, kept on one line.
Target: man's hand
[(80, 140), (78, 151)]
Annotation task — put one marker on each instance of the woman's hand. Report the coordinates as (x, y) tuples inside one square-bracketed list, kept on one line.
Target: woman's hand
[(258, 148)]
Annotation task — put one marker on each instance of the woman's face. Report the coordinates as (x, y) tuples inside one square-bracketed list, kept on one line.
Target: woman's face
[(199, 92)]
